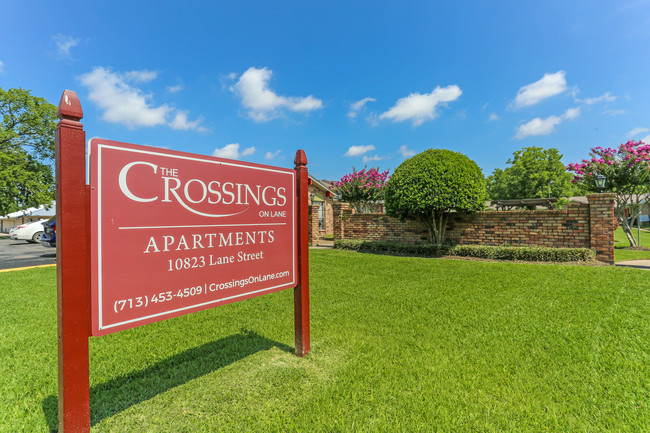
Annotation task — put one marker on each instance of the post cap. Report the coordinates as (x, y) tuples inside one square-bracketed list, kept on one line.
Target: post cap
[(301, 158), (69, 106)]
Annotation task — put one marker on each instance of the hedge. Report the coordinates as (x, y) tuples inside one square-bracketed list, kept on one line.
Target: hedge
[(533, 254), (393, 248)]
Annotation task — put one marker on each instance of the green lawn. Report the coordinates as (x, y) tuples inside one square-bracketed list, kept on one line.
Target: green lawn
[(621, 243), (398, 345)]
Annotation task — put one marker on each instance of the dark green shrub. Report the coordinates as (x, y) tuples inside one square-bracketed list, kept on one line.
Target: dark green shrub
[(530, 254), (393, 248), (402, 249), (348, 244), (431, 184)]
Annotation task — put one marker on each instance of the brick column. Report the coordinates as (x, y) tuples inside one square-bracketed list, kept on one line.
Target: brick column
[(314, 233), (339, 210), (602, 225)]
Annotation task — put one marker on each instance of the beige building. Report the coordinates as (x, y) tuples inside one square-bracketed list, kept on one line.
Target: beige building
[(320, 194)]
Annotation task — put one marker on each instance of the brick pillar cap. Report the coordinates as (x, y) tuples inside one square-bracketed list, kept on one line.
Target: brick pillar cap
[(601, 196)]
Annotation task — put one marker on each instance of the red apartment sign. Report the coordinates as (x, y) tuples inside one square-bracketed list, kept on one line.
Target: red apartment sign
[(174, 233)]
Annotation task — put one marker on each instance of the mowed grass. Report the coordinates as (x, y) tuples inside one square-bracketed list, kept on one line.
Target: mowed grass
[(621, 243), (398, 345)]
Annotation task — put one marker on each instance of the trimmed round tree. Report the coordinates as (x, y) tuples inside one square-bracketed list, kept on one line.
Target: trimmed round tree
[(431, 184)]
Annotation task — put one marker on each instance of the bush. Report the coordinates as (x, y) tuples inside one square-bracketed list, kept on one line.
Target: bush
[(531, 254), (348, 244), (400, 249), (431, 184), (391, 248)]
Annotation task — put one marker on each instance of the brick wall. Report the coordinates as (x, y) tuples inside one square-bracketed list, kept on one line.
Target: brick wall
[(314, 233), (603, 225), (579, 225)]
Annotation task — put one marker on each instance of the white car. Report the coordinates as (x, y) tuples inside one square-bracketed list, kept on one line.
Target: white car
[(30, 232)]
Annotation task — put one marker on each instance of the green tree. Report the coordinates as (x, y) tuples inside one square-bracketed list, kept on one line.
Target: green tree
[(534, 172), (431, 184), (27, 132)]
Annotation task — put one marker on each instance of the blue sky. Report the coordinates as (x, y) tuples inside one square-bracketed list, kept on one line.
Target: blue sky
[(352, 83)]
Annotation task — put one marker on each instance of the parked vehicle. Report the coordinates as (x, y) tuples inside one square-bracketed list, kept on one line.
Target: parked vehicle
[(49, 233), (30, 232), (643, 219)]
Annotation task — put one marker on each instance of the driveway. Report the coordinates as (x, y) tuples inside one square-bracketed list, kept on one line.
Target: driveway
[(19, 254)]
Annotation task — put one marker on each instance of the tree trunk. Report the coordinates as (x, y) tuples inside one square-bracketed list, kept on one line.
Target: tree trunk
[(628, 231), (429, 222), (631, 202), (436, 224)]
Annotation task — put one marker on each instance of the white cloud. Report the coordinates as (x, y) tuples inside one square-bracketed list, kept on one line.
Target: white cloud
[(356, 107), (2, 66), (646, 140), (366, 159), (571, 113), (248, 151), (144, 76), (227, 81), (180, 122), (64, 44), (123, 103), (421, 107), (263, 103), (359, 104), (231, 151), (539, 126), (175, 89), (372, 119), (614, 112), (607, 97), (271, 155), (637, 131), (359, 150), (493, 117), (405, 151), (549, 85)]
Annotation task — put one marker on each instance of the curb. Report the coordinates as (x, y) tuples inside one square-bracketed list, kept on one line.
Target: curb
[(26, 267)]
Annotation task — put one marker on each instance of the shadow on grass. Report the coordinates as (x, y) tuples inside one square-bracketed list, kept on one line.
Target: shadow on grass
[(116, 395)]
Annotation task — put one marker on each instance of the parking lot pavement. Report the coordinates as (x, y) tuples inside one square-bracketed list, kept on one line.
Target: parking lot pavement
[(20, 254)]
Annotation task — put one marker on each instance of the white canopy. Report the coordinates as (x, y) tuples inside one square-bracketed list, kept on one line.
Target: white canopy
[(33, 211)]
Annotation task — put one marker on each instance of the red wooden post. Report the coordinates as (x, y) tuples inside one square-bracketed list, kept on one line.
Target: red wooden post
[(73, 266), (301, 292)]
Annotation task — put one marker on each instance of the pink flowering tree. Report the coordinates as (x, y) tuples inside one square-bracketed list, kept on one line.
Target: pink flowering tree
[(362, 188), (627, 170)]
